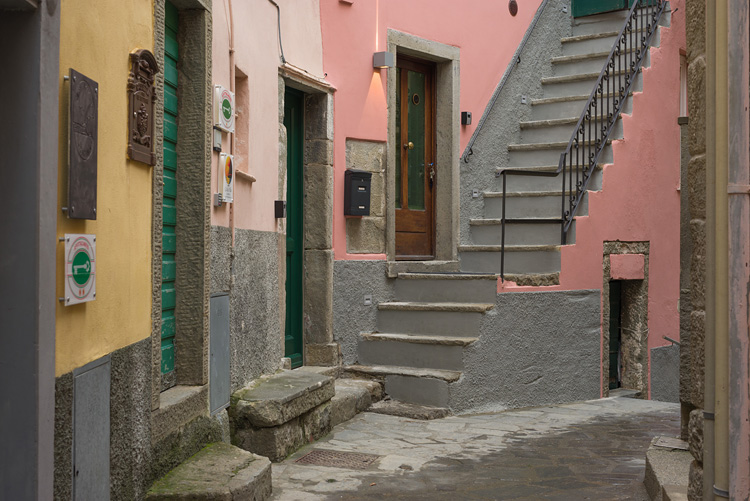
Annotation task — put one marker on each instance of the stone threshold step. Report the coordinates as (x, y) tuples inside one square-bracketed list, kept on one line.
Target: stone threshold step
[(418, 339), (381, 371), (218, 471), (667, 470), (448, 276), (453, 307), (534, 279), (409, 410)]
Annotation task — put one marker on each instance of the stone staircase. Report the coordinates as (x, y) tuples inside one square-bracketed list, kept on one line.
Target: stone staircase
[(533, 204), (417, 350)]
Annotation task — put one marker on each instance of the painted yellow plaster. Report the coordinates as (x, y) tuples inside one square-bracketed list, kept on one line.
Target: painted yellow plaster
[(96, 40)]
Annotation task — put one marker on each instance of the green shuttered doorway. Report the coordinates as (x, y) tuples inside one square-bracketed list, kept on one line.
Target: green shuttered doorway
[(169, 241)]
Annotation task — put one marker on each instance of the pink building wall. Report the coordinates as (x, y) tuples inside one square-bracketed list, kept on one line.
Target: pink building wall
[(256, 55), (640, 197), (353, 30)]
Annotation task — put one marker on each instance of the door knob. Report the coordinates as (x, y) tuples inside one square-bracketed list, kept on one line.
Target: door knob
[(409, 146)]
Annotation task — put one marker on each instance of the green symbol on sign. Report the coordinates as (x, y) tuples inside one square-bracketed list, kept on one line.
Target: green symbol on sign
[(226, 108), (81, 268)]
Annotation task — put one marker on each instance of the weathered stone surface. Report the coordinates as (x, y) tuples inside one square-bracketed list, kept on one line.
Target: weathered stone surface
[(277, 442), (218, 472), (319, 116), (318, 201), (697, 105), (696, 185), (695, 482), (695, 29), (695, 434), (377, 195), (277, 399), (352, 397), (698, 264), (323, 354), (365, 235), (319, 151), (318, 297), (665, 467), (698, 357), (407, 410), (282, 91), (365, 155)]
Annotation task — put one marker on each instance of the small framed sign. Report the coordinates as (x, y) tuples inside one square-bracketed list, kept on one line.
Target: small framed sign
[(80, 268), (226, 173), (224, 108)]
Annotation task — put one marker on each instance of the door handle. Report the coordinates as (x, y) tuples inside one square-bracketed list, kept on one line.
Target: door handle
[(409, 146), (432, 174)]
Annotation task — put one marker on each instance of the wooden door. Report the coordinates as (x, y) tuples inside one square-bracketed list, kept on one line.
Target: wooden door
[(588, 7), (293, 121), (416, 172)]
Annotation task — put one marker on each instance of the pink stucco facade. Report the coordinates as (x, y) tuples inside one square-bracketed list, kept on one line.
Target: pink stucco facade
[(485, 32)]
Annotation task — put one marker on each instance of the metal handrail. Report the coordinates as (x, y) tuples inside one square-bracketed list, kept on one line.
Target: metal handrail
[(594, 127)]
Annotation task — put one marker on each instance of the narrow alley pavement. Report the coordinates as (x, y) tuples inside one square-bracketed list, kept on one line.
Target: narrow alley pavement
[(587, 450)]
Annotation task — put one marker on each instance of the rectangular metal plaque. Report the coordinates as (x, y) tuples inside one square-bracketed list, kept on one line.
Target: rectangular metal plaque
[(219, 388), (83, 124)]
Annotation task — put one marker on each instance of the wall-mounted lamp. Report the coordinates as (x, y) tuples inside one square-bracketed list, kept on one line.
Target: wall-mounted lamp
[(383, 60), (513, 7)]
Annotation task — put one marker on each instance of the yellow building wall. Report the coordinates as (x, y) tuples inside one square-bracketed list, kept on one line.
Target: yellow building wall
[(96, 40)]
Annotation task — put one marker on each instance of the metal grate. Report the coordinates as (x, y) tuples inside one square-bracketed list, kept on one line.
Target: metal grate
[(338, 459)]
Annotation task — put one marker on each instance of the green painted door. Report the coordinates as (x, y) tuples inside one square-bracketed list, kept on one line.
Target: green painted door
[(169, 242), (615, 309), (293, 121), (588, 7)]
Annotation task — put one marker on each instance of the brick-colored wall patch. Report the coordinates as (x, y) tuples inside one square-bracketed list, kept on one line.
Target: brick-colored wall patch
[(627, 266)]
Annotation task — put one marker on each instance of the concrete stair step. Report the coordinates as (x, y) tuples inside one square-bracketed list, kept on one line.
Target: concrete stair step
[(599, 23), (667, 469), (535, 154), (424, 352), (441, 319), (406, 384), (552, 108), (593, 43), (446, 287), (550, 184), (218, 471), (521, 260), (526, 231), (275, 415), (582, 84), (561, 130), (524, 205)]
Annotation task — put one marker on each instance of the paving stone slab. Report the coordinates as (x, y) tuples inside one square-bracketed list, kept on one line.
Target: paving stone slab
[(413, 411), (218, 472), (280, 398)]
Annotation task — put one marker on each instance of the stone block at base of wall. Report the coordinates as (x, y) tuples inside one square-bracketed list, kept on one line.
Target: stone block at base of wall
[(326, 355), (665, 373), (365, 235)]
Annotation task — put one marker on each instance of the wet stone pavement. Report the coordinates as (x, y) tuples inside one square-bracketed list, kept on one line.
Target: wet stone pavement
[(588, 450)]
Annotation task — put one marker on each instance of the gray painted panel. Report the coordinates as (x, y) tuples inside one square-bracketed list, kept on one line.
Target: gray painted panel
[(91, 390), (665, 373), (219, 387)]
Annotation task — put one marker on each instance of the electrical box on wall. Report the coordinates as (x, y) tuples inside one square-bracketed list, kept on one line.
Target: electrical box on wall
[(357, 192), (223, 108), (226, 175)]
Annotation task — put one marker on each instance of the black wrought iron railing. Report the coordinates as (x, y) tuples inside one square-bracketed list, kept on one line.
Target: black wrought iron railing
[(600, 113)]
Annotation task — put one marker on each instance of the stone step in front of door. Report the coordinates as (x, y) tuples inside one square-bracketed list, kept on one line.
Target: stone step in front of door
[(218, 471), (446, 287), (450, 319), (275, 415), (424, 352)]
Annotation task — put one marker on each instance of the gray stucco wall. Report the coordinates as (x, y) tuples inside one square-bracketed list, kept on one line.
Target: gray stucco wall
[(352, 280), (534, 348), (665, 373), (130, 425), (501, 126), (250, 274)]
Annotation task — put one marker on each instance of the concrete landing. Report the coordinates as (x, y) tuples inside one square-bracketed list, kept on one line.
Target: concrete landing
[(277, 414), (667, 469), (218, 471)]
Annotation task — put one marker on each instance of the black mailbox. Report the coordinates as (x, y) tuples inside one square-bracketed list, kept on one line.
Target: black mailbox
[(357, 192)]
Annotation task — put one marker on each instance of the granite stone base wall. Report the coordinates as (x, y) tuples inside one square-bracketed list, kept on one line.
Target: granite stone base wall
[(534, 348), (250, 274), (130, 425)]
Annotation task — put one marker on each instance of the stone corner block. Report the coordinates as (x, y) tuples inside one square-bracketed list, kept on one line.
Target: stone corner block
[(325, 355), (365, 235), (280, 398), (365, 155)]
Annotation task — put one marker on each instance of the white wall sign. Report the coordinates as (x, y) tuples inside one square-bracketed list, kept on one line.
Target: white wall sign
[(223, 108), (226, 173), (80, 268)]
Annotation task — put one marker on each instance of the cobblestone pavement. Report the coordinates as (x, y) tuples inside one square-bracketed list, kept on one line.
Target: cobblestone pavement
[(588, 450)]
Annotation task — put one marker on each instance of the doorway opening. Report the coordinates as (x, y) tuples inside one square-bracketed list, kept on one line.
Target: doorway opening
[(615, 316)]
